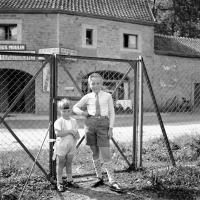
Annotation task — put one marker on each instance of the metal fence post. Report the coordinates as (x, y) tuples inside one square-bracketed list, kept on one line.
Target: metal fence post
[(52, 111), (140, 113), (135, 121)]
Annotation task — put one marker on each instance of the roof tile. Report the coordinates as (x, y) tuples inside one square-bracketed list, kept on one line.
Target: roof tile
[(180, 46), (120, 9)]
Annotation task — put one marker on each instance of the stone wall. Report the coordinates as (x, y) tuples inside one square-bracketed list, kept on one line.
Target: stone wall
[(170, 76)]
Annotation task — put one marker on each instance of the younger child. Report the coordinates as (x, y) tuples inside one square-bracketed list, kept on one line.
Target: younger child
[(66, 131)]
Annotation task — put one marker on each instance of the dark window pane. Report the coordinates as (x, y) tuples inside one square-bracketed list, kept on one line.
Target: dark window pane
[(2, 33), (125, 40), (89, 36), (8, 32), (130, 41)]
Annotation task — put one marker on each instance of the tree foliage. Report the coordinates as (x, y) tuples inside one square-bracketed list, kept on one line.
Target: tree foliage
[(177, 17)]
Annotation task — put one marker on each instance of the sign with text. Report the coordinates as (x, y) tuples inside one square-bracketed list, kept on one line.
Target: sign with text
[(12, 47), (18, 57), (58, 50)]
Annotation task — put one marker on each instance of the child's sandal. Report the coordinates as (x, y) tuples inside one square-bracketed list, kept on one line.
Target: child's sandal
[(60, 187)]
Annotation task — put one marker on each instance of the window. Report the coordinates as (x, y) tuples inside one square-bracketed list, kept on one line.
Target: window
[(8, 32), (89, 36), (130, 41)]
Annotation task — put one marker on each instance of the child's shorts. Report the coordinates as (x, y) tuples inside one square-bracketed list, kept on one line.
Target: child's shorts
[(65, 146), (96, 132)]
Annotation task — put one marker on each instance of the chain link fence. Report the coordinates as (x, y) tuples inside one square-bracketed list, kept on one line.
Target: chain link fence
[(27, 117), (177, 95), (24, 108), (118, 78)]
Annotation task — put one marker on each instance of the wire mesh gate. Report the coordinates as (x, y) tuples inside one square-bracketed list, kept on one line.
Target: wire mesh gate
[(63, 77), (114, 82)]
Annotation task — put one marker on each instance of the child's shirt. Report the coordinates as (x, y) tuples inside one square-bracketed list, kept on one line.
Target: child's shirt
[(66, 144)]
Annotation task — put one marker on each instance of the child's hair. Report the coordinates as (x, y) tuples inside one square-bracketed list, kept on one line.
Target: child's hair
[(64, 104), (94, 75)]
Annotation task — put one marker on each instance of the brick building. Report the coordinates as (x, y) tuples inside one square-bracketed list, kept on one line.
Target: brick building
[(103, 28)]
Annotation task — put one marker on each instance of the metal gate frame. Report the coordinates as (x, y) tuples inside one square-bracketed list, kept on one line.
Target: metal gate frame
[(140, 71), (138, 66)]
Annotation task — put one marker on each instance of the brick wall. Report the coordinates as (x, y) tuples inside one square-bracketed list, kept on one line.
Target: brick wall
[(51, 30)]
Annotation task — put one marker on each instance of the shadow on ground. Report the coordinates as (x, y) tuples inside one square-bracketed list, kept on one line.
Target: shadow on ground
[(103, 193), (97, 194)]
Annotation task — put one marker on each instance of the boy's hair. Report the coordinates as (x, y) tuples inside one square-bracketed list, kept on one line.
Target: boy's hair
[(64, 104), (94, 75)]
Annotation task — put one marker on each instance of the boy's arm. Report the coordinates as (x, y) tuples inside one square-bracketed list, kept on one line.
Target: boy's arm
[(58, 129), (77, 107), (60, 133)]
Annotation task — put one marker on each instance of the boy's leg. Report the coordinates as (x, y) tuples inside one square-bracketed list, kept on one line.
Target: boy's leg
[(97, 166), (105, 153), (60, 163), (68, 167), (96, 161)]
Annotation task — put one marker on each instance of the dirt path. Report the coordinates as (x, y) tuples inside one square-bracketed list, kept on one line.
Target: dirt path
[(85, 192)]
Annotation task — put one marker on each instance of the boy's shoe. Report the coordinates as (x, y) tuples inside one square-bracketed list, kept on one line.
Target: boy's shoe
[(115, 187), (60, 187), (98, 182), (72, 184)]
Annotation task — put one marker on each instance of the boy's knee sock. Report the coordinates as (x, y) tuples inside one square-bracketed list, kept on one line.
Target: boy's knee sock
[(110, 171), (97, 166)]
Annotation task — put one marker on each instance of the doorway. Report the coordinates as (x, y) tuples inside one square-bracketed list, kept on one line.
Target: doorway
[(12, 83)]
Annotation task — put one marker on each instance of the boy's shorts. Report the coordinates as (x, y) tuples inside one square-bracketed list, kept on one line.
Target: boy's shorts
[(96, 132)]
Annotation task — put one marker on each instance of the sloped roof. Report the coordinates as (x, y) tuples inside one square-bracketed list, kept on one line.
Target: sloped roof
[(131, 10), (176, 46)]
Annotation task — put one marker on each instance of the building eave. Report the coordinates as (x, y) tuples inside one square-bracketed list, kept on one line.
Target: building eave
[(57, 11)]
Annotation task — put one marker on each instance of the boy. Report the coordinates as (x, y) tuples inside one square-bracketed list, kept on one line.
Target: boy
[(100, 116), (66, 131)]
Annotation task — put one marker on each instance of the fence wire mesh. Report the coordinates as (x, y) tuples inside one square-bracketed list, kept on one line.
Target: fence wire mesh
[(23, 120), (118, 81), (176, 99), (177, 96)]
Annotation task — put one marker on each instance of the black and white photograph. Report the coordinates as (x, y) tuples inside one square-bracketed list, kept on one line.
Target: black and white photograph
[(100, 99)]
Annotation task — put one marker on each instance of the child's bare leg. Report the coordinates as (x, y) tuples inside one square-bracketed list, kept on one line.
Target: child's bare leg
[(105, 153), (60, 163), (69, 159), (96, 161), (70, 182)]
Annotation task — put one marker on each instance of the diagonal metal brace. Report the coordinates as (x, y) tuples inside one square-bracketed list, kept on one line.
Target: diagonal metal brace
[(24, 147), (120, 151), (125, 75), (158, 115)]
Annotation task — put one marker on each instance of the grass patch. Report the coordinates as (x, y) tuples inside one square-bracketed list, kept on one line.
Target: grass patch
[(157, 175)]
